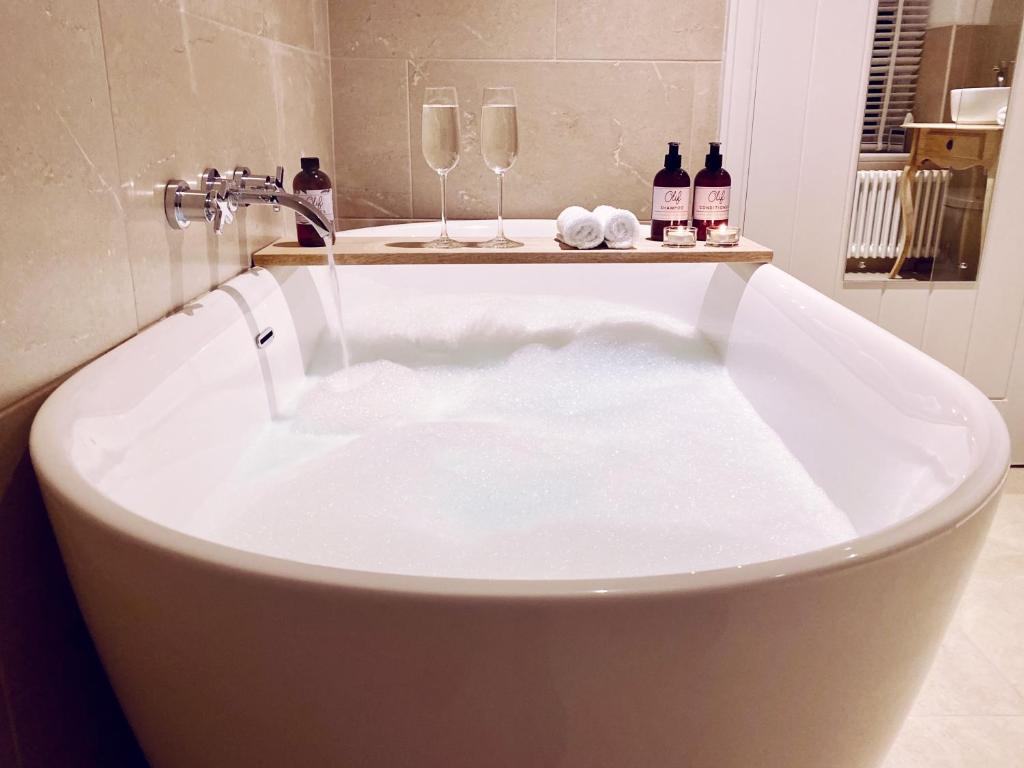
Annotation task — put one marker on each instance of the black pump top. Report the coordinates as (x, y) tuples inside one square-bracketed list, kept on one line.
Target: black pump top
[(672, 160), (713, 159), (310, 163)]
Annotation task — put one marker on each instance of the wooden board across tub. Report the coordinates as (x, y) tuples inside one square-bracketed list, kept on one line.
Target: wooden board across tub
[(535, 250)]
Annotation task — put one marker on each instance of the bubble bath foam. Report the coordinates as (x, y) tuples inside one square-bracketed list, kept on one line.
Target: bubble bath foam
[(523, 438)]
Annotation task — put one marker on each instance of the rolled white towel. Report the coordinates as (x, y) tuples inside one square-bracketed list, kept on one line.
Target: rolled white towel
[(579, 228), (621, 227), (1001, 116)]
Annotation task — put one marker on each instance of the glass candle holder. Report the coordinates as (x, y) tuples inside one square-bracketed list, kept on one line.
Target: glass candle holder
[(679, 237), (723, 236)]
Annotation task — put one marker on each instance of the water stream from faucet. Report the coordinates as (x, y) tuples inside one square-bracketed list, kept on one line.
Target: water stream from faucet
[(340, 343)]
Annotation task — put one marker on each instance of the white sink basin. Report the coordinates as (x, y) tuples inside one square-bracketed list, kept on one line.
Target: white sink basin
[(977, 106)]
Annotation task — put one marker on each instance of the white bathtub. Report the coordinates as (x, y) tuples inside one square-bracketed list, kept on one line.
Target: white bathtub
[(224, 658)]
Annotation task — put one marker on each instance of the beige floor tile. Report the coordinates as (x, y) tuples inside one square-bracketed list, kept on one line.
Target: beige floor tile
[(1015, 481), (964, 682), (991, 613), (959, 742), (970, 712), (1008, 527)]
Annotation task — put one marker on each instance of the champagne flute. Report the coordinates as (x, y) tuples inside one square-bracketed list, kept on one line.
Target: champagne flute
[(499, 142), (440, 137)]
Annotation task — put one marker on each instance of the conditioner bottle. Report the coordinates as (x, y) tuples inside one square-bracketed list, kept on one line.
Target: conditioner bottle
[(711, 190)]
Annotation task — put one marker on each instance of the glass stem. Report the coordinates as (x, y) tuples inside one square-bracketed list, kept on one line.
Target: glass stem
[(444, 214), (501, 200)]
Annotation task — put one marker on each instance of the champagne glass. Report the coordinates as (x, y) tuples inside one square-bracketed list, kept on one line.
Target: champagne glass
[(440, 137), (499, 141)]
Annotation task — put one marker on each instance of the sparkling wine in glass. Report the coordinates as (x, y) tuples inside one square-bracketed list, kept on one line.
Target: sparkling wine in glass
[(499, 142), (440, 137)]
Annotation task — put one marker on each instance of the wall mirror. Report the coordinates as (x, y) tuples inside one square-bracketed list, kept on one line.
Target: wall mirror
[(938, 84)]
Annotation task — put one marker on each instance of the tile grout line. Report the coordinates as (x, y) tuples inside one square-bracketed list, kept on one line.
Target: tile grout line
[(277, 88), (555, 53), (330, 96), (999, 670), (992, 664), (471, 60), (247, 33), (982, 652), (117, 162), (408, 131)]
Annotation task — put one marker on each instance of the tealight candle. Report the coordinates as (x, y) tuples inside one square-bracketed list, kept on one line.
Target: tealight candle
[(723, 235), (680, 236)]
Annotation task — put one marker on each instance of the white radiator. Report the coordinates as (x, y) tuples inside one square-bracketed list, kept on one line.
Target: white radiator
[(876, 226)]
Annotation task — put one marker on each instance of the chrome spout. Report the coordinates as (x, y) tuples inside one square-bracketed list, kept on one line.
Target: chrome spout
[(277, 197)]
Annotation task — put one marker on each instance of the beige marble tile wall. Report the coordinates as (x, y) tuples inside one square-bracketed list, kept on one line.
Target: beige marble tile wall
[(601, 86), (102, 102)]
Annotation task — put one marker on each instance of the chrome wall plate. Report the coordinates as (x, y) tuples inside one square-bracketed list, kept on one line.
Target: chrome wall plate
[(173, 190)]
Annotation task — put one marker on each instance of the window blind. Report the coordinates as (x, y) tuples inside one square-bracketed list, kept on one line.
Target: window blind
[(892, 78)]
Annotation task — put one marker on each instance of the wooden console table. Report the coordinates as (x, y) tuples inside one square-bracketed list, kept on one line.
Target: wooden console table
[(946, 146)]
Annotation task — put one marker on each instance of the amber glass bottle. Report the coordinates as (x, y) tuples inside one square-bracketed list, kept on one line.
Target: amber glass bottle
[(711, 188), (314, 186), (670, 203)]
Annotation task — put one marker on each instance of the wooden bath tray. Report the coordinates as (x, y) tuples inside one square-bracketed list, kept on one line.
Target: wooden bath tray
[(535, 250)]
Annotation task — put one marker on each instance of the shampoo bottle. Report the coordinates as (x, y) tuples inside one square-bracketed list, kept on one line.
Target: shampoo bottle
[(314, 186), (670, 205), (711, 190)]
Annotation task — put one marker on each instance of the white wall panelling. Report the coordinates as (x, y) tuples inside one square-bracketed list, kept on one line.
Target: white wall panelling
[(902, 311), (801, 124), (997, 312), (947, 323)]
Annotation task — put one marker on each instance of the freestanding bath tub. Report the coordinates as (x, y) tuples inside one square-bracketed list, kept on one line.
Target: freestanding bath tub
[(224, 658)]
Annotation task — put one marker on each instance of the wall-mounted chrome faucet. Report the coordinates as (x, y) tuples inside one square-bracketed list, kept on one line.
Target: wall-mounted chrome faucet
[(218, 197)]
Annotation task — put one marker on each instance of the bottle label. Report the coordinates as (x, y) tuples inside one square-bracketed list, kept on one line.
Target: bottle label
[(671, 204), (711, 203), (321, 199)]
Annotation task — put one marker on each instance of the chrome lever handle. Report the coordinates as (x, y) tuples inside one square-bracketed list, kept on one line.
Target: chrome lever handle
[(218, 207), (278, 182), (224, 213)]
